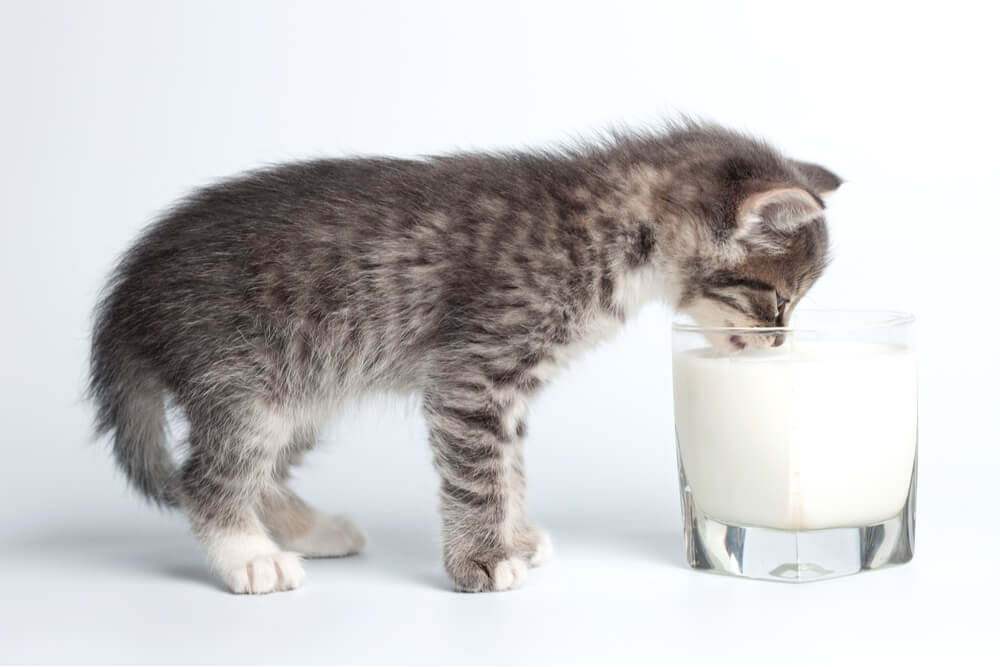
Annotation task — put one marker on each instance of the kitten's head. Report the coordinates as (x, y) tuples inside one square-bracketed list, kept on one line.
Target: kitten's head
[(762, 242)]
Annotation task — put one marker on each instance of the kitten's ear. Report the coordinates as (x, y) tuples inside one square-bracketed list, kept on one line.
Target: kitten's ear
[(820, 179), (781, 208)]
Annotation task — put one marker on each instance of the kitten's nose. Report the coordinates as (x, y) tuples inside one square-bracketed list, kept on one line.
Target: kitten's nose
[(778, 340)]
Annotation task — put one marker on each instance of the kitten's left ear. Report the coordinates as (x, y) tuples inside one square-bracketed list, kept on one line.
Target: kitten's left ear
[(820, 179)]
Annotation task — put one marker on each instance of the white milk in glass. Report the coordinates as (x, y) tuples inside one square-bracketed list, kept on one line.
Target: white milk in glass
[(810, 435)]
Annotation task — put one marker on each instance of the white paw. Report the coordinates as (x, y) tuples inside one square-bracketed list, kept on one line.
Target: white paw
[(509, 574), (281, 571), (330, 536), (543, 550)]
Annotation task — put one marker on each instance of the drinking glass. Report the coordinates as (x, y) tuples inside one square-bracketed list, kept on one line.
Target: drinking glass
[(797, 446)]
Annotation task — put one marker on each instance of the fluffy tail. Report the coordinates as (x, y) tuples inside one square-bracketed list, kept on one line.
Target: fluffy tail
[(130, 406)]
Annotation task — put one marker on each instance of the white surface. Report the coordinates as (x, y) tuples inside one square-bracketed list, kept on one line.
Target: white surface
[(110, 111), (811, 435)]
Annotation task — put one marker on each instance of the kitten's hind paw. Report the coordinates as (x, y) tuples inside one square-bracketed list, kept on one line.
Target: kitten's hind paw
[(330, 537), (480, 575), (280, 571)]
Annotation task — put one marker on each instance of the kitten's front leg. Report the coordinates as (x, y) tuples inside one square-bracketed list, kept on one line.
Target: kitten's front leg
[(532, 542), (475, 450)]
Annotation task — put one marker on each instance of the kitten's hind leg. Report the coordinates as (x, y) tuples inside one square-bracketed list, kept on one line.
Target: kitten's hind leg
[(297, 526), (231, 462), (300, 528)]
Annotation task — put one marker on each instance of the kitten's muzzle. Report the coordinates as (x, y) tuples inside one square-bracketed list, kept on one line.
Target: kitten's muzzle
[(758, 341)]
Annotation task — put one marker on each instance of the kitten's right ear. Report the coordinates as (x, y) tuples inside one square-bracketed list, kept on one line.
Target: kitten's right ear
[(781, 208), (820, 179)]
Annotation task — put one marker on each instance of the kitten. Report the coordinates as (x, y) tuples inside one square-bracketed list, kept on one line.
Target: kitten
[(259, 303)]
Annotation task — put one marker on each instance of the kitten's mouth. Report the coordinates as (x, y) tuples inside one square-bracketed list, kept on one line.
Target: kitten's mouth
[(758, 342)]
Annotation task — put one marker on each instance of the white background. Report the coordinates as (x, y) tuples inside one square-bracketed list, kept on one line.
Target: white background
[(110, 111)]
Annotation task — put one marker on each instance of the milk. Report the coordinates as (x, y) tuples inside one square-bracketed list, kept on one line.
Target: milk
[(807, 436)]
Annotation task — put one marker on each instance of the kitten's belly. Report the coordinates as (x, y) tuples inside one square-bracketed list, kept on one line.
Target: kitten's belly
[(821, 436)]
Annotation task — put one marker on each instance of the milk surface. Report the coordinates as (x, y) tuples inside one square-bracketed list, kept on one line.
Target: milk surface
[(807, 436)]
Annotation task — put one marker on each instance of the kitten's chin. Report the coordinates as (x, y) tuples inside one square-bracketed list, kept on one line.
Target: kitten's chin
[(761, 341), (708, 316), (731, 343), (725, 343)]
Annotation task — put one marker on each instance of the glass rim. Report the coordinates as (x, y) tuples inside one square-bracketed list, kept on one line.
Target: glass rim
[(855, 319)]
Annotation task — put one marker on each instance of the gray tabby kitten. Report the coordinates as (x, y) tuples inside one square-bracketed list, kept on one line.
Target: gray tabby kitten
[(260, 303)]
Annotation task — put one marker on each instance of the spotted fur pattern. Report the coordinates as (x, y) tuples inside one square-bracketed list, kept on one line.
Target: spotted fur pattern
[(260, 303)]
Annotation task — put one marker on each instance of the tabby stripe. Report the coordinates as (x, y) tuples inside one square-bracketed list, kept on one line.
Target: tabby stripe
[(729, 301), (468, 447), (484, 420), (464, 496), (749, 283), (480, 472)]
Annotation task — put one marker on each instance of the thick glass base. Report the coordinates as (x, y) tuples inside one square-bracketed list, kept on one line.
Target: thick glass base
[(795, 556)]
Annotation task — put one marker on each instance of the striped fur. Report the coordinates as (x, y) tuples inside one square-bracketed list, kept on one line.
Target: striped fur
[(259, 303)]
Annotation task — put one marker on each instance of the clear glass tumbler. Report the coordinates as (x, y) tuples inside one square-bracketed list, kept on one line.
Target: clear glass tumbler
[(797, 461)]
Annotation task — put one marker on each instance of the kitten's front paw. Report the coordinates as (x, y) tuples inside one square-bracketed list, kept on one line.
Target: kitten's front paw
[(543, 549), (483, 574), (280, 571), (535, 545)]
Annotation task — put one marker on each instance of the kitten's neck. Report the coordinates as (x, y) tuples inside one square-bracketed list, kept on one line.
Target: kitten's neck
[(637, 287), (636, 236)]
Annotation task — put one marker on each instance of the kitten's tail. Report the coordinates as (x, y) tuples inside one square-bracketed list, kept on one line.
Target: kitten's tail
[(130, 406)]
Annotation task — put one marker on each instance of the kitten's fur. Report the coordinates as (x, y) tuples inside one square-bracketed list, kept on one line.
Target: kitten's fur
[(260, 302)]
